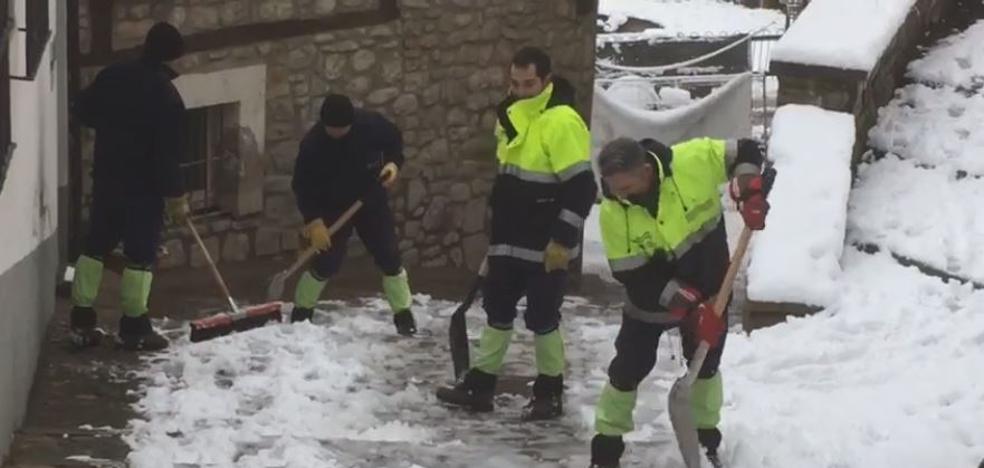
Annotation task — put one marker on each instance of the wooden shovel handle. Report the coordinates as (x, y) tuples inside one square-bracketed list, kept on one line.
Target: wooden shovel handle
[(721, 300), (335, 227)]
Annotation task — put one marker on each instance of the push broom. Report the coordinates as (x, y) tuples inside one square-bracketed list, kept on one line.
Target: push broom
[(240, 319)]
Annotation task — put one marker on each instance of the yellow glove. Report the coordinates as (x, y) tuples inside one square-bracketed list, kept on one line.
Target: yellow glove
[(317, 233), (177, 209), (387, 176), (556, 257)]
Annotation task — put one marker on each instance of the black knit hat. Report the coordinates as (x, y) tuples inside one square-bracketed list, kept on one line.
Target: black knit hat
[(337, 111), (163, 43)]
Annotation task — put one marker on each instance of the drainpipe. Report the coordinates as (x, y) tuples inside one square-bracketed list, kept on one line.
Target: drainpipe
[(793, 9)]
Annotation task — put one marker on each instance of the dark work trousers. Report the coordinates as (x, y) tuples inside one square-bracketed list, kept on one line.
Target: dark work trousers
[(635, 352), (375, 226), (134, 220), (510, 279)]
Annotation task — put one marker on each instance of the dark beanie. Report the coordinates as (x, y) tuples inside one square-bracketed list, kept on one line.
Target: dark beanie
[(337, 111), (163, 43)]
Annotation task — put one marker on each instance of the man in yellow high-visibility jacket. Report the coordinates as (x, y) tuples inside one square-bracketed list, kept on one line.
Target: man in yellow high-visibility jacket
[(543, 192), (663, 232)]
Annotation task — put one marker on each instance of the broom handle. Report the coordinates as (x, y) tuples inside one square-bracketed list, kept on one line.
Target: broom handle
[(212, 267), (335, 227)]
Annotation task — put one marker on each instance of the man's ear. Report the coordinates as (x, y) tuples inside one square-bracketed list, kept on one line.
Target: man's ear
[(605, 191)]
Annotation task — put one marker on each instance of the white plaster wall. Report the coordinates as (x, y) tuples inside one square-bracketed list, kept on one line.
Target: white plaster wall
[(29, 200)]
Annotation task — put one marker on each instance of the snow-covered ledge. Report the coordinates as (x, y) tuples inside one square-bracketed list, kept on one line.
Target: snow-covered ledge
[(794, 264), (850, 55), (246, 87)]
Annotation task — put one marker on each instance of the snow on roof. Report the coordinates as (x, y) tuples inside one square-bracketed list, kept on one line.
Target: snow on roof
[(956, 61), (686, 19), (796, 258), (846, 34)]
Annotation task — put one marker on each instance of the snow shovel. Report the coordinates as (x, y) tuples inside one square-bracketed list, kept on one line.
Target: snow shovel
[(276, 289), (458, 330), (681, 412), (239, 320)]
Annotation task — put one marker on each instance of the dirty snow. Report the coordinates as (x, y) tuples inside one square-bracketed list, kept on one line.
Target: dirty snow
[(824, 35), (796, 258), (687, 19), (888, 376), (956, 61)]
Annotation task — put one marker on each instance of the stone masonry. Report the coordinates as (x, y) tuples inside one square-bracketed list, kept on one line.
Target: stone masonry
[(437, 71)]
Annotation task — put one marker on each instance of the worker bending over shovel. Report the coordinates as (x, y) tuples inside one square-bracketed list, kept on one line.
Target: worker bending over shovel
[(350, 155), (663, 232)]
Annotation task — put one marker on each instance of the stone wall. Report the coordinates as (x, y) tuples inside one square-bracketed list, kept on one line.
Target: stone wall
[(437, 71)]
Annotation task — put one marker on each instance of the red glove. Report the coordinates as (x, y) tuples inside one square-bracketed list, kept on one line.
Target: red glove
[(709, 327), (747, 191), (683, 301)]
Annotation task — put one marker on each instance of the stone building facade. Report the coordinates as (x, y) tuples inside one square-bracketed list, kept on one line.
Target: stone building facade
[(256, 72)]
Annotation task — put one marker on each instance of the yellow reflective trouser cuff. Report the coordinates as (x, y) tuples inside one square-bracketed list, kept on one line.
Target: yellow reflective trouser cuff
[(550, 354), (308, 291), (134, 291), (706, 398), (397, 291), (492, 347), (613, 417), (88, 276)]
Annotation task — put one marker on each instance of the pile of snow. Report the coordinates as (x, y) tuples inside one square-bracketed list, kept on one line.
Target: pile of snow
[(671, 97), (956, 61), (938, 127), (797, 257), (824, 35), (635, 92), (275, 395), (888, 376), (687, 19), (921, 213)]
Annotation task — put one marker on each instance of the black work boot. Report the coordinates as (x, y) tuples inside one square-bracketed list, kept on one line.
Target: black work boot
[(606, 451), (474, 392), (137, 334), (710, 439), (405, 323), (548, 399), (301, 314), (82, 329)]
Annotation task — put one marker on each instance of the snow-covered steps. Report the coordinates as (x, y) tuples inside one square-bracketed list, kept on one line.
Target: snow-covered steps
[(922, 200), (957, 61), (921, 213), (937, 127), (796, 259)]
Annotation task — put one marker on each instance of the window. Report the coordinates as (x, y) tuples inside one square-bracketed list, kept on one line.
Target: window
[(209, 151), (6, 146), (37, 34)]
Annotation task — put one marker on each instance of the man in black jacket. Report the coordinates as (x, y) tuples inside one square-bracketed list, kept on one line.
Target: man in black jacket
[(349, 155), (138, 117)]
